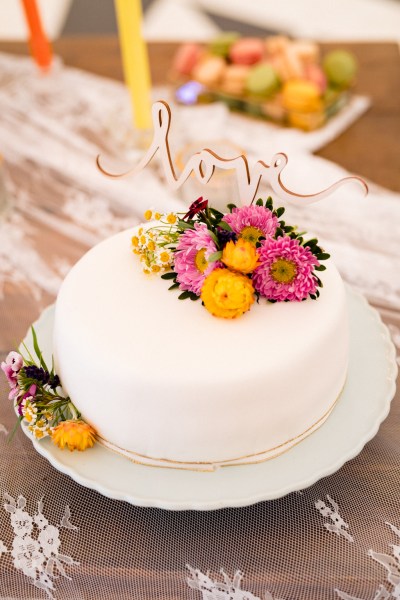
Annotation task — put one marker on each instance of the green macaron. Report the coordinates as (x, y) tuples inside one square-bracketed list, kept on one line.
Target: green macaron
[(262, 81), (221, 45), (340, 67)]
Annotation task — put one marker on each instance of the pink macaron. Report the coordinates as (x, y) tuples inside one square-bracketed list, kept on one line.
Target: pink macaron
[(186, 58), (247, 51), (315, 74)]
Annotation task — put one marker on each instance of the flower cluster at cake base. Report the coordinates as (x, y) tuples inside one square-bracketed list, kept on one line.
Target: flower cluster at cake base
[(41, 406), (230, 260)]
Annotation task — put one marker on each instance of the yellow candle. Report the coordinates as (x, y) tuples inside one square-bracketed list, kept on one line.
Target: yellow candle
[(135, 60)]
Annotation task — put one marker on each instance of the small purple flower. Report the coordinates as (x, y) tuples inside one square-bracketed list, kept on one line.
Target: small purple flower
[(14, 393), (225, 236), (21, 406), (11, 367), (15, 360), (12, 380), (38, 373), (10, 374)]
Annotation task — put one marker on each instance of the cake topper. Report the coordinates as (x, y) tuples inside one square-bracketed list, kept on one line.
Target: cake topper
[(229, 260), (203, 164)]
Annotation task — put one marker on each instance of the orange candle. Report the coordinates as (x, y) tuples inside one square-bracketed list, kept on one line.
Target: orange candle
[(38, 42)]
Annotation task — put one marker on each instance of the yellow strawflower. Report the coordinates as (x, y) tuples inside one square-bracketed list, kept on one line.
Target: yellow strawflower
[(227, 294), (74, 434), (240, 256), (148, 215)]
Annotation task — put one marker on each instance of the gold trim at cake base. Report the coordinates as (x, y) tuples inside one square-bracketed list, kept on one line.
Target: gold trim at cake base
[(249, 459)]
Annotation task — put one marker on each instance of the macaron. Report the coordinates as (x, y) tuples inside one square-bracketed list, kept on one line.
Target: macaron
[(187, 56), (273, 109), (300, 95), (234, 79), (209, 70), (340, 67), (315, 74), (275, 44), (292, 62), (307, 51), (221, 45), (279, 63), (262, 80), (306, 121), (247, 51)]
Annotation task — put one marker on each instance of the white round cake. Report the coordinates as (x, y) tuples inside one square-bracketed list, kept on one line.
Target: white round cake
[(166, 383)]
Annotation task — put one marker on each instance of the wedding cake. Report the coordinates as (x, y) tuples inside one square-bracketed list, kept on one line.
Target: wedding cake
[(170, 382), (166, 383)]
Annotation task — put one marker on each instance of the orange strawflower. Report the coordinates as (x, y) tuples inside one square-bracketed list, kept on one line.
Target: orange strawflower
[(75, 434), (227, 294), (241, 256)]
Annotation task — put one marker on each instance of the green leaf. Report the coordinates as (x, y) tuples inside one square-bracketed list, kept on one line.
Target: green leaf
[(184, 225), (184, 295), (260, 202), (279, 232), (269, 204), (173, 286), (311, 243), (194, 296), (231, 207), (169, 275), (215, 256), (37, 349), (216, 213), (279, 211), (14, 430), (214, 237), (320, 268), (323, 256), (225, 226)]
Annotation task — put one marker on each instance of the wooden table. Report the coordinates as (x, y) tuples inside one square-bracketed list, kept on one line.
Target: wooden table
[(370, 147)]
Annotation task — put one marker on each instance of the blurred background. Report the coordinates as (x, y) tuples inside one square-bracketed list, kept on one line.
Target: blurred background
[(200, 19)]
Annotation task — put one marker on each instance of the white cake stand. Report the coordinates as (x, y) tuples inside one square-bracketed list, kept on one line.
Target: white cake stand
[(364, 404)]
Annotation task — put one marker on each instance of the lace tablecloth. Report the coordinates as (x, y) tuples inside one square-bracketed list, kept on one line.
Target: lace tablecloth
[(339, 538)]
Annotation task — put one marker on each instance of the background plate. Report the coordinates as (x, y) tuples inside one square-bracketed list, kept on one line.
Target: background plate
[(364, 404)]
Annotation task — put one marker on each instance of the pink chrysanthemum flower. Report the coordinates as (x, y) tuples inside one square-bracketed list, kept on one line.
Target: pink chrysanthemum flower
[(285, 271), (191, 258), (252, 222)]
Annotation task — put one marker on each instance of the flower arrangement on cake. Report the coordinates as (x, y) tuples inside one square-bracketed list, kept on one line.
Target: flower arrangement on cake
[(36, 392), (230, 260)]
